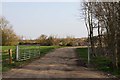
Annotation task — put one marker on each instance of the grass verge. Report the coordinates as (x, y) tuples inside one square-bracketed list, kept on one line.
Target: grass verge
[(6, 66), (98, 63)]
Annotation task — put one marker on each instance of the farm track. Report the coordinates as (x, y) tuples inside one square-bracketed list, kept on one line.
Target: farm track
[(61, 63)]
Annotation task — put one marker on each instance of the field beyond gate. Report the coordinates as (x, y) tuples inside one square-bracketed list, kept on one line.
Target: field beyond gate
[(27, 55)]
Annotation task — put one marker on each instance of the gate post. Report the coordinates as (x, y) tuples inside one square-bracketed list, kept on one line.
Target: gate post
[(17, 53), (39, 51)]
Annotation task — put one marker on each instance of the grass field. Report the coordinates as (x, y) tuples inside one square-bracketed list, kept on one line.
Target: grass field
[(5, 57), (99, 63)]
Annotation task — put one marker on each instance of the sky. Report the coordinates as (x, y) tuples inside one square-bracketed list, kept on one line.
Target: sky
[(31, 19)]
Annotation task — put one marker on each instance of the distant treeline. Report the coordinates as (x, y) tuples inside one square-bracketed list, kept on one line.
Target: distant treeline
[(43, 40), (10, 38)]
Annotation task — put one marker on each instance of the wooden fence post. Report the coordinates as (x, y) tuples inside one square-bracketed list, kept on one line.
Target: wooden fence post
[(10, 56)]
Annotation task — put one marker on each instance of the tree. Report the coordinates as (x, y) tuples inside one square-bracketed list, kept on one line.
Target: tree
[(53, 40), (9, 37), (89, 19), (42, 39)]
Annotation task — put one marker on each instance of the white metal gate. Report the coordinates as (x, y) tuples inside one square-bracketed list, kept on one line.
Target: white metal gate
[(24, 52)]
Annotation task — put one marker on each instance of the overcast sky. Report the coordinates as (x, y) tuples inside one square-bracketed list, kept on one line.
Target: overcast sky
[(31, 19)]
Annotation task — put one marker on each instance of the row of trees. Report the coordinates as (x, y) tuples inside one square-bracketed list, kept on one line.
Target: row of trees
[(105, 18), (9, 38)]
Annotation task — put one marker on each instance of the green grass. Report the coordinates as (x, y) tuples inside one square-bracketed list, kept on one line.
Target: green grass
[(6, 66), (8, 47), (99, 63), (82, 53)]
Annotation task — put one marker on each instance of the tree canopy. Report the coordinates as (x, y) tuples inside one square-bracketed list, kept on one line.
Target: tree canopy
[(8, 36)]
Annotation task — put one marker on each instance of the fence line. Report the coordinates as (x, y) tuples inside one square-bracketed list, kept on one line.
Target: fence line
[(21, 52)]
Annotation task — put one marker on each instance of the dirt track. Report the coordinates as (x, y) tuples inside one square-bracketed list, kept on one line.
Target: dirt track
[(61, 63)]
